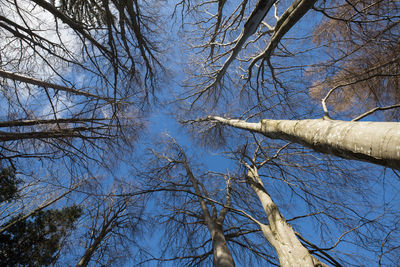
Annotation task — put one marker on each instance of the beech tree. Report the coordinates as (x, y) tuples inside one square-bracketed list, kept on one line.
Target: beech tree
[(270, 176), (273, 173), (276, 79), (298, 78), (278, 232), (197, 212), (375, 142)]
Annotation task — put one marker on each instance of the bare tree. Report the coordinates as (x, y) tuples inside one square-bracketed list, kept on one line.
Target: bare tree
[(362, 71), (75, 75), (271, 64), (111, 222), (278, 232), (273, 76), (235, 34), (325, 195), (375, 142), (196, 208), (208, 215), (76, 78)]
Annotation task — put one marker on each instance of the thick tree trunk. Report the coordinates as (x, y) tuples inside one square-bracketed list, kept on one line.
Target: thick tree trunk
[(375, 142), (279, 233), (222, 255)]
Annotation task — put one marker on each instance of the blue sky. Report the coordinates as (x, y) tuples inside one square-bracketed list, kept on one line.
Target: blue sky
[(359, 192)]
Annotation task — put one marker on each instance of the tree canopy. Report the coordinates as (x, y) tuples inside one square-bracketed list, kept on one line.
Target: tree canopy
[(197, 133)]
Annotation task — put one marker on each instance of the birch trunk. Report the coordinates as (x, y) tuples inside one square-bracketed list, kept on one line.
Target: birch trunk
[(374, 142), (279, 233)]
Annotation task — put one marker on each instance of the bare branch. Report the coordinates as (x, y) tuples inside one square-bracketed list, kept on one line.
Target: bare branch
[(375, 109), (288, 19), (25, 79)]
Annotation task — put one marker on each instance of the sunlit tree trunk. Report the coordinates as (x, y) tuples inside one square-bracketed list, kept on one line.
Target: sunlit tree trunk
[(84, 261), (278, 232), (375, 142)]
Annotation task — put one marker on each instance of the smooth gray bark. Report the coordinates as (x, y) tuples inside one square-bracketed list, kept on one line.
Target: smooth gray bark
[(278, 232), (374, 142), (222, 254), (288, 19)]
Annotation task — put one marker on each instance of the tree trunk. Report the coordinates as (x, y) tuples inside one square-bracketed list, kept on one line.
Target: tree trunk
[(222, 255), (374, 142), (84, 261), (107, 226), (279, 233)]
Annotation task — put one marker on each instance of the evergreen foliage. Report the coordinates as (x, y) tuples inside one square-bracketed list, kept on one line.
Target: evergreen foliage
[(33, 241), (8, 184)]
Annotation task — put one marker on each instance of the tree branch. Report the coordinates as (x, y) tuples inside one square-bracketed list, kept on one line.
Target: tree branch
[(25, 79)]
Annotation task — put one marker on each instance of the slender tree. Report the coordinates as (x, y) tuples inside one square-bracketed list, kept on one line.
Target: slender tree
[(206, 212)]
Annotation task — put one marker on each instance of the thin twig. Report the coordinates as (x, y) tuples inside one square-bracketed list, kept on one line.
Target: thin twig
[(375, 109)]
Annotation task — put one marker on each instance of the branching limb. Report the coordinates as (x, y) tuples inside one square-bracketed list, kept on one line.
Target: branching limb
[(325, 256), (288, 19), (250, 27)]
